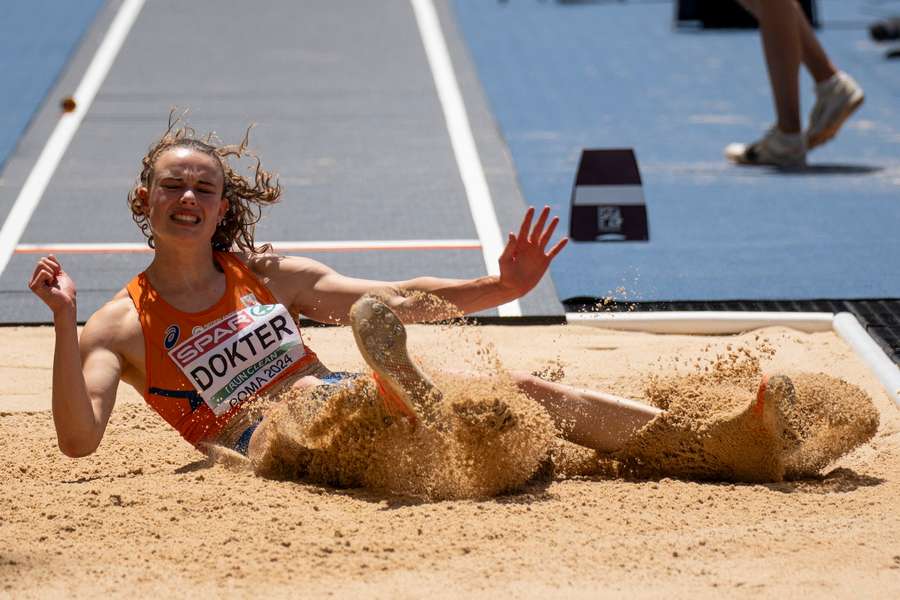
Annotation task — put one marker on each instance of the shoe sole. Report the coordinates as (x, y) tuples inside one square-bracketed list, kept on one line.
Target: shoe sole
[(738, 158), (825, 135), (381, 339)]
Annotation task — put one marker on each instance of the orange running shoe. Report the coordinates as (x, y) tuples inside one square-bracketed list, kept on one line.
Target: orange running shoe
[(773, 392), (381, 339)]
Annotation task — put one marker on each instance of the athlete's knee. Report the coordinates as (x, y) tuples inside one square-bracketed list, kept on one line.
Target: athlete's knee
[(524, 379), (518, 376)]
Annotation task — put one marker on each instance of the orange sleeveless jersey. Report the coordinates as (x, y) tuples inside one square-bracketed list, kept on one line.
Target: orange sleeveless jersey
[(201, 367)]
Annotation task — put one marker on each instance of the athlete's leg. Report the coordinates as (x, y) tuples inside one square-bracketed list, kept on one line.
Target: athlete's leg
[(787, 39), (593, 419), (589, 418), (783, 145), (779, 32), (597, 420), (814, 57)]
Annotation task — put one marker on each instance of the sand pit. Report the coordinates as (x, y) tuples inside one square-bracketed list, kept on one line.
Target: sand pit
[(148, 515)]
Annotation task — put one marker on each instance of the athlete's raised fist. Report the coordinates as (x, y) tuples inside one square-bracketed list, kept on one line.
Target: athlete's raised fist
[(52, 285)]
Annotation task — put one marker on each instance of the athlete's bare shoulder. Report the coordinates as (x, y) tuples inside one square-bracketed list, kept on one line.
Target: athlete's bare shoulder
[(291, 279), (119, 310), (274, 266), (116, 326)]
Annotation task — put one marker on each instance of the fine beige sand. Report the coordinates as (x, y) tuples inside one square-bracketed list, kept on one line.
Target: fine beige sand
[(148, 515)]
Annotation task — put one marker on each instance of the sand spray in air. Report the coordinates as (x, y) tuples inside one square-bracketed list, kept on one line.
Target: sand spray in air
[(485, 437), (708, 431), (487, 440)]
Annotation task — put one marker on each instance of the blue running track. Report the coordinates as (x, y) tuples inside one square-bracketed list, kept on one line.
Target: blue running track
[(37, 38), (562, 77)]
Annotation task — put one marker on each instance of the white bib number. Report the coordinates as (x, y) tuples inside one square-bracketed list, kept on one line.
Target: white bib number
[(237, 357)]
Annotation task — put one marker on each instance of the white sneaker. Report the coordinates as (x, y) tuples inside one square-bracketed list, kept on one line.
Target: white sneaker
[(836, 99), (775, 148)]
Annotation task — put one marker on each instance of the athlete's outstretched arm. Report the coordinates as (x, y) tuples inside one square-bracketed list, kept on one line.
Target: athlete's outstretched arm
[(325, 295), (85, 374)]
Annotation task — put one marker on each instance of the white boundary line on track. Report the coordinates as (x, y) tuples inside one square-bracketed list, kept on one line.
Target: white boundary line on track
[(36, 183), (341, 246), (844, 324), (463, 142)]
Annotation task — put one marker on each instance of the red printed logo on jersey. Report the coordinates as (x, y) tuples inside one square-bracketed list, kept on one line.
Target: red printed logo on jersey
[(210, 338)]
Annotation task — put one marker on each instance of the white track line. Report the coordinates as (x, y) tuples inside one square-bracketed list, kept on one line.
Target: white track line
[(343, 246), (463, 142), (36, 183)]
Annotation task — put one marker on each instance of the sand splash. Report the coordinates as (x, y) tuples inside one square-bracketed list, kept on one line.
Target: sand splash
[(708, 431), (488, 438)]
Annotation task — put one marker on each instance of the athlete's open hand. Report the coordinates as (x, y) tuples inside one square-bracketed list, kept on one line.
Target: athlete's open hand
[(526, 258), (52, 285)]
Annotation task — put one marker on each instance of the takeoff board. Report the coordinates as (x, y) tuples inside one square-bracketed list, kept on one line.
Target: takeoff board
[(608, 198)]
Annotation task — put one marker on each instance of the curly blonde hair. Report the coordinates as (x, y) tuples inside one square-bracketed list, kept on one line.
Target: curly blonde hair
[(245, 199)]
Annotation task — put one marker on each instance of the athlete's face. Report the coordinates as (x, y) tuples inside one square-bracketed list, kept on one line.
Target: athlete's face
[(184, 200)]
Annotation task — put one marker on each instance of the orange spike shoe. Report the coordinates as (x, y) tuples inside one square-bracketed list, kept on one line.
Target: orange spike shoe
[(381, 339), (774, 392)]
